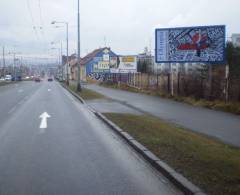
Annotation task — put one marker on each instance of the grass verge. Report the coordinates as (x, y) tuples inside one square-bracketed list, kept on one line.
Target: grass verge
[(211, 165), (87, 94), (231, 107)]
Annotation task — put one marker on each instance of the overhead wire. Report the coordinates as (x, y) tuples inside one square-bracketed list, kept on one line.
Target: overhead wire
[(32, 20), (41, 18)]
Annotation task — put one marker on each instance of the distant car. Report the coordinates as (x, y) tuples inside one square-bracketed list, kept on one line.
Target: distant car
[(2, 79), (50, 79), (37, 79), (8, 78)]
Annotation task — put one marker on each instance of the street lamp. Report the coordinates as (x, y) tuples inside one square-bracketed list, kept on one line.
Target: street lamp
[(59, 54), (79, 88), (14, 62), (53, 43), (66, 23)]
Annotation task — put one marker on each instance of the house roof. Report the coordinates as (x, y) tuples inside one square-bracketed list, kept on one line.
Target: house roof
[(88, 57)]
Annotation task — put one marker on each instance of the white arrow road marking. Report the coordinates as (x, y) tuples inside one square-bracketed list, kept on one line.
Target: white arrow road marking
[(44, 116)]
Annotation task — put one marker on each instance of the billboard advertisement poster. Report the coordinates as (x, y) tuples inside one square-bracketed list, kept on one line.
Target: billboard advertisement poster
[(126, 64), (204, 44)]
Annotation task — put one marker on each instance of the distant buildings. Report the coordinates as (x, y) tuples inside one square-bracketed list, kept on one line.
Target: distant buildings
[(98, 62), (236, 40)]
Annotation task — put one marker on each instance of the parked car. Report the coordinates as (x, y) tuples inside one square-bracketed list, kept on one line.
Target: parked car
[(37, 79), (8, 78), (2, 79)]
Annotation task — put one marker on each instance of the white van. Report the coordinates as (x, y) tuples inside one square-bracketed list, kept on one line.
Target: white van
[(8, 78)]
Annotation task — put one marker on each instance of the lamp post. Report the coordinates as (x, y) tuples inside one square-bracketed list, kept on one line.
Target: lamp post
[(66, 23), (61, 61), (14, 72), (79, 88)]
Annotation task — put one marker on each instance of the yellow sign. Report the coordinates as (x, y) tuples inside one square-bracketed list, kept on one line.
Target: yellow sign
[(128, 59)]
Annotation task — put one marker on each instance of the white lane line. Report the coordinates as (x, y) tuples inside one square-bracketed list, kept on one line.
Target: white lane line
[(20, 91), (12, 110), (49, 90), (44, 116), (21, 102), (27, 97)]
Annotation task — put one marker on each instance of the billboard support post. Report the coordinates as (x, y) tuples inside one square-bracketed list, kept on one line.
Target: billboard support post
[(227, 82), (171, 77), (210, 80)]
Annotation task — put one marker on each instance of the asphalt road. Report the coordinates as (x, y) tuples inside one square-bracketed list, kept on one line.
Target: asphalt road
[(220, 125), (75, 154)]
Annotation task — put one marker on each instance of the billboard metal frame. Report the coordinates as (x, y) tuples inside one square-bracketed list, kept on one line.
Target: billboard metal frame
[(180, 28)]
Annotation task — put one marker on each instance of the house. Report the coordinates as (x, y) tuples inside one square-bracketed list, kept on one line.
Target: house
[(99, 61)]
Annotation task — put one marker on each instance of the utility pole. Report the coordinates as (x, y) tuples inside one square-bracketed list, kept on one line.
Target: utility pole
[(14, 65), (66, 23), (4, 63), (79, 88), (67, 55), (105, 41), (61, 61)]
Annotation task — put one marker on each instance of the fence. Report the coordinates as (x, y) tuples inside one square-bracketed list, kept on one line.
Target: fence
[(194, 85)]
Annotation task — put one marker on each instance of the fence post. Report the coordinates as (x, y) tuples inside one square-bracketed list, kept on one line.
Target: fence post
[(210, 80), (168, 75), (134, 80), (120, 78), (178, 83), (148, 80)]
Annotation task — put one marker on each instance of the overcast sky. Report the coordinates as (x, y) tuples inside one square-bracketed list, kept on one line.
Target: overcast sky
[(128, 25)]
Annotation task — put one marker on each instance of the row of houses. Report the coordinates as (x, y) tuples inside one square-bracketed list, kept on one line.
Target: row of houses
[(104, 60), (98, 62)]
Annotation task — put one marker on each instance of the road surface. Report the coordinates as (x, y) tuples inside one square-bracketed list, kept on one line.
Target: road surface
[(73, 152), (220, 125)]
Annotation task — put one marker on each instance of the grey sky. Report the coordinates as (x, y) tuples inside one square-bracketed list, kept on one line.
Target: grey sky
[(128, 25)]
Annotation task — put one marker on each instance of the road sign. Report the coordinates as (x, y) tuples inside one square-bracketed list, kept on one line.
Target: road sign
[(191, 44)]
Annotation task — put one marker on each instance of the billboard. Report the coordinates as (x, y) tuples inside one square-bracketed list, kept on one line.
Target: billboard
[(204, 44), (126, 64)]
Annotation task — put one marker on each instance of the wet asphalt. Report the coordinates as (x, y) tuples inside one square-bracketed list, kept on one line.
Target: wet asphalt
[(75, 154), (220, 125)]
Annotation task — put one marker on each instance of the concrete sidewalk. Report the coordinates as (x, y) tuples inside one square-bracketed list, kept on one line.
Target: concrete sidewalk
[(217, 124)]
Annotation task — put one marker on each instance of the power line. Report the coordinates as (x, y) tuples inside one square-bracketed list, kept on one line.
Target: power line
[(41, 18), (31, 16)]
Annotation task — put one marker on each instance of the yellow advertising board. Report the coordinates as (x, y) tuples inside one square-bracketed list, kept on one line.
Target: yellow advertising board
[(128, 59)]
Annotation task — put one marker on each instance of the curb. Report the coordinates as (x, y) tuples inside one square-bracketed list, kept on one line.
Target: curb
[(177, 179), (74, 94)]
